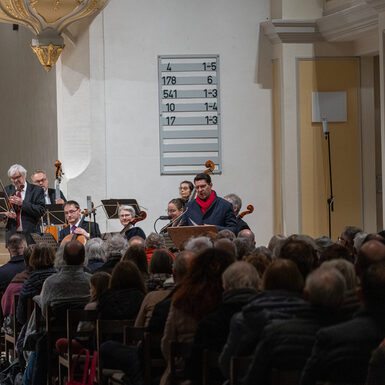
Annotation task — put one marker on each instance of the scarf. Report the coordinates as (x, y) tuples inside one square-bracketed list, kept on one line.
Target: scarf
[(204, 205)]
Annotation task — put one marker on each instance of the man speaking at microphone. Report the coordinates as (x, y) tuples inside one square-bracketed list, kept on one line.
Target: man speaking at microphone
[(208, 208)]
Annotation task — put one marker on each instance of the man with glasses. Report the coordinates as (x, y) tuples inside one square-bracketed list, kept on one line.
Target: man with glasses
[(39, 178), (208, 208), (75, 225), (27, 201)]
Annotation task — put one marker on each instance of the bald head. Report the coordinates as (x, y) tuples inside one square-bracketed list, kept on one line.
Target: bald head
[(248, 234), (371, 252), (74, 253)]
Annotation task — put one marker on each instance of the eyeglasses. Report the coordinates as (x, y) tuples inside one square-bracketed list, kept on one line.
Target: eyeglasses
[(70, 212), (40, 180), (13, 177), (125, 215)]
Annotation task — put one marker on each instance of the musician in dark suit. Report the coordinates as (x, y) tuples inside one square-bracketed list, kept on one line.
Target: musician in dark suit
[(39, 178), (76, 225), (208, 208), (236, 201), (28, 204)]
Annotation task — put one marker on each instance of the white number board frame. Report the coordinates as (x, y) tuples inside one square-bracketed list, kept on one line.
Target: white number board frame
[(189, 113)]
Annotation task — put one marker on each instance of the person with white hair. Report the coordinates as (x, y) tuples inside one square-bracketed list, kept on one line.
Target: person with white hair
[(28, 204), (126, 216)]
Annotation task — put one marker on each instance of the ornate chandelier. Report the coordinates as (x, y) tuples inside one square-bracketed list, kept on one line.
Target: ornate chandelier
[(47, 19)]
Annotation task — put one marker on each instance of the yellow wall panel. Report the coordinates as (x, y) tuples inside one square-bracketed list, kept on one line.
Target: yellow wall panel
[(278, 225), (329, 75)]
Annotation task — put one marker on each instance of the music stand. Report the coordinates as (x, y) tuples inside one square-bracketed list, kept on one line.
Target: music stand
[(181, 234), (46, 239), (54, 215), (111, 206)]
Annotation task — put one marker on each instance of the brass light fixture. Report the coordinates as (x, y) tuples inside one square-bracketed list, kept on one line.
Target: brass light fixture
[(47, 19)]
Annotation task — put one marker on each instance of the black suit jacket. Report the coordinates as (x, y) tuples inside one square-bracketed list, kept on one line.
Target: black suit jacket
[(52, 193), (95, 232), (31, 211)]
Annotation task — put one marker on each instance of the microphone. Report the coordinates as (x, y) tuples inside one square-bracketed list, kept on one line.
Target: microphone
[(164, 217), (89, 204)]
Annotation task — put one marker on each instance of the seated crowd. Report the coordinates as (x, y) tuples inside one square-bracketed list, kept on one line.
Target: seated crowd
[(304, 309)]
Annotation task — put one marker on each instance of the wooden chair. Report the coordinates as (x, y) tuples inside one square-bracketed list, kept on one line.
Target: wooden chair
[(10, 339), (238, 369), (284, 377), (73, 319), (106, 330), (154, 363), (56, 327), (178, 352), (209, 366)]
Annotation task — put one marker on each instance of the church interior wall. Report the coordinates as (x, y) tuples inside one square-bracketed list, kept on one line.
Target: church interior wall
[(120, 129)]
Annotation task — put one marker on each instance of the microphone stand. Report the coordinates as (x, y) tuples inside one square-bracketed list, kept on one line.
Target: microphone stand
[(330, 200)]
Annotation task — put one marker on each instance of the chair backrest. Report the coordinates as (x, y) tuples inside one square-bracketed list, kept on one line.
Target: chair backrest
[(284, 377), (133, 335), (178, 352), (238, 368), (107, 330), (74, 317), (210, 368), (154, 363)]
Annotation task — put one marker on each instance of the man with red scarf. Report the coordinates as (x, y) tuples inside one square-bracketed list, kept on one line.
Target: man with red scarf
[(208, 208)]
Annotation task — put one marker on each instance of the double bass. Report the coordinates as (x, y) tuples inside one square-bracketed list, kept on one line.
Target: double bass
[(55, 229), (210, 166)]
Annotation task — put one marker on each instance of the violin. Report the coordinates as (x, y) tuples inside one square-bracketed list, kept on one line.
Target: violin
[(250, 209), (142, 215), (9, 204), (78, 237), (210, 166)]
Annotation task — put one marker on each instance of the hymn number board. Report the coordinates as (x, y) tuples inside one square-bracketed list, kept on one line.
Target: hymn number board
[(189, 113)]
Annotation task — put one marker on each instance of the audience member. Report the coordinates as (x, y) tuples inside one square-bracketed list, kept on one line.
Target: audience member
[(199, 295), (334, 251), (286, 345), (14, 287), (198, 244), (225, 234), (125, 294), (95, 255), (275, 244), (114, 248), (41, 264), (160, 269), (243, 247), (16, 246), (240, 283), (154, 242), (301, 252), (137, 255), (248, 234), (226, 245), (341, 353), (281, 298), (346, 239)]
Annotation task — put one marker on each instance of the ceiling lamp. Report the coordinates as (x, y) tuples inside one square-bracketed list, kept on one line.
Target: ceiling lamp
[(47, 19)]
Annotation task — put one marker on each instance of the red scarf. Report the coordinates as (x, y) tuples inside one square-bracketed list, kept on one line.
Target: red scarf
[(204, 205)]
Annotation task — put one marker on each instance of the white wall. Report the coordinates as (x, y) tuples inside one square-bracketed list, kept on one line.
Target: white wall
[(27, 106), (115, 127)]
